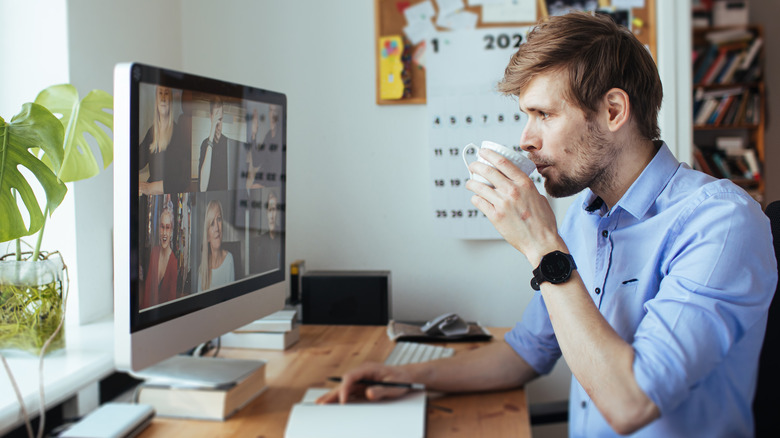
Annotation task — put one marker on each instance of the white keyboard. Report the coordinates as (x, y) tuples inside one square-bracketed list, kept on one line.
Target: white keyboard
[(414, 352)]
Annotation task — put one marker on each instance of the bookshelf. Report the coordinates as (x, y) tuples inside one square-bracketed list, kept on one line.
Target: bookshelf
[(729, 104)]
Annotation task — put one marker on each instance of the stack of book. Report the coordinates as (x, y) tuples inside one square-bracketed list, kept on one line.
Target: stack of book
[(731, 56), (277, 331), (734, 106), (205, 401), (729, 158)]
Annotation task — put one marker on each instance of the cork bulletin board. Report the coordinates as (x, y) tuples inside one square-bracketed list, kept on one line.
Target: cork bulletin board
[(390, 20)]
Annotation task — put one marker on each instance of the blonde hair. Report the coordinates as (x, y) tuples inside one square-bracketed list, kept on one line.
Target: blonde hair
[(162, 128), (204, 272)]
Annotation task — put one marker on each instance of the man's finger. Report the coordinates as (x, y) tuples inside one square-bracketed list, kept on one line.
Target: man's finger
[(503, 164)]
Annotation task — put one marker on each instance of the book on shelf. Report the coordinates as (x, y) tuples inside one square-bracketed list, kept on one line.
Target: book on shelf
[(735, 164), (705, 111), (725, 36), (752, 162), (262, 340), (752, 53), (204, 403), (700, 162), (281, 321)]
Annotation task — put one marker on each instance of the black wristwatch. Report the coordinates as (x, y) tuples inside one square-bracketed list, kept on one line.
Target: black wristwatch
[(555, 267)]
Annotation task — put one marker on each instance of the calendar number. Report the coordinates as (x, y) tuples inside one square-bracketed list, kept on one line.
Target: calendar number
[(502, 41), (438, 152), (457, 213), (441, 213), (454, 152), (439, 182)]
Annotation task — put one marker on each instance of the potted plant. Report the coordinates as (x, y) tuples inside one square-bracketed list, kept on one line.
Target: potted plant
[(54, 150)]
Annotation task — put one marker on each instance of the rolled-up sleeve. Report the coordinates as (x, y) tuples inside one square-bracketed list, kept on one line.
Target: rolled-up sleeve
[(715, 288), (533, 337)]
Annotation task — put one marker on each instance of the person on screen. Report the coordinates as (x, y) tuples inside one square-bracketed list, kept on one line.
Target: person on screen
[(162, 155), (212, 165), (216, 264), (265, 158), (269, 244), (253, 162), (162, 272), (655, 287)]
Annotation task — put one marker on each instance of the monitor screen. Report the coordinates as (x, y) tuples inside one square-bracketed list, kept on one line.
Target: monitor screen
[(199, 210)]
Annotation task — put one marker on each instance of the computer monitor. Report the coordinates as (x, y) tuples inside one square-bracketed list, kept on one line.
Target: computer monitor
[(199, 210)]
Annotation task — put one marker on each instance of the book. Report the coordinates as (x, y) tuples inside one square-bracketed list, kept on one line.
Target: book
[(704, 66), (203, 403), (262, 340), (705, 111), (720, 111), (752, 52), (752, 162), (403, 417), (715, 66), (281, 321), (700, 162), (726, 36)]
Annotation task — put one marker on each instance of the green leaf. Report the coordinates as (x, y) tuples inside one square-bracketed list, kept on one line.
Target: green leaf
[(79, 118), (34, 127)]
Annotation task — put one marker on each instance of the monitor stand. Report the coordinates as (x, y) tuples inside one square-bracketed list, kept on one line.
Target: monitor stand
[(198, 372)]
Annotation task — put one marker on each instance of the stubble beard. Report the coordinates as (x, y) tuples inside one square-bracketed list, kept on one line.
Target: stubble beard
[(593, 155)]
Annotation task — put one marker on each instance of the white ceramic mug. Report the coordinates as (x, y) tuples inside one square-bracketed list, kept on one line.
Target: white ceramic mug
[(517, 158)]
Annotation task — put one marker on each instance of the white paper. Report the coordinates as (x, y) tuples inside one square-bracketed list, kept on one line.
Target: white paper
[(514, 11), (420, 12), (487, 2), (462, 70), (420, 31), (628, 4), (459, 20), (447, 7), (402, 417)]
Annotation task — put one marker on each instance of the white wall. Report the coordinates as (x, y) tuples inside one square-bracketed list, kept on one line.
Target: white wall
[(102, 34)]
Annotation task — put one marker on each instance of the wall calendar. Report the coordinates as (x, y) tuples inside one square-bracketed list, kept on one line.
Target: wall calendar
[(462, 70)]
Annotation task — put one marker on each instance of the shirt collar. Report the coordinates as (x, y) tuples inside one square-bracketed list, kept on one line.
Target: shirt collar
[(644, 190)]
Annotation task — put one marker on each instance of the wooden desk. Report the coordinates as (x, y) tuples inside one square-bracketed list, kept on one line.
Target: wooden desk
[(330, 351)]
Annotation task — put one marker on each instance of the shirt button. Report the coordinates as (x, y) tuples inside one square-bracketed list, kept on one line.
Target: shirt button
[(598, 290), (584, 404), (604, 233)]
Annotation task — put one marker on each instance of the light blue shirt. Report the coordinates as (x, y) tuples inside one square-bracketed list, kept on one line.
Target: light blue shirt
[(683, 269)]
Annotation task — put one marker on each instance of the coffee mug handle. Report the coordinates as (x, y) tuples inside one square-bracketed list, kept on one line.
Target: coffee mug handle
[(463, 154)]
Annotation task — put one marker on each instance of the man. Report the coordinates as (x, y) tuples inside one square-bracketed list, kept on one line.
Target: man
[(658, 295), (212, 166)]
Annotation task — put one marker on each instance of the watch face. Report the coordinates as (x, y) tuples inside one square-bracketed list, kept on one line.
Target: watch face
[(555, 267)]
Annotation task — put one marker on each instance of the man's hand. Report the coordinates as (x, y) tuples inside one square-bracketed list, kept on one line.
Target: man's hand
[(519, 213), (351, 389)]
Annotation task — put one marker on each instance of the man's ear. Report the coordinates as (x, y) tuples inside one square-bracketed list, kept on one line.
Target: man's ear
[(618, 110)]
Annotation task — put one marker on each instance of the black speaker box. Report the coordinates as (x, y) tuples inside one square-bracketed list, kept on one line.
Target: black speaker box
[(346, 297)]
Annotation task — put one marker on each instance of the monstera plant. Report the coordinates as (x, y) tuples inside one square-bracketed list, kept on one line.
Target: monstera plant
[(48, 138)]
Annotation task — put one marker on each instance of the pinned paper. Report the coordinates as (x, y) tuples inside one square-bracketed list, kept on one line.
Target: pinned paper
[(628, 4), (422, 11), (447, 7), (513, 11), (420, 31), (458, 20), (486, 2)]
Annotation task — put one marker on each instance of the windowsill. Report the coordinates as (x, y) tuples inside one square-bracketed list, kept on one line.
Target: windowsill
[(87, 358)]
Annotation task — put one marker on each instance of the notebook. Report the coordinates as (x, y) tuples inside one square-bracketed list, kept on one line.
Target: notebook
[(398, 418)]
